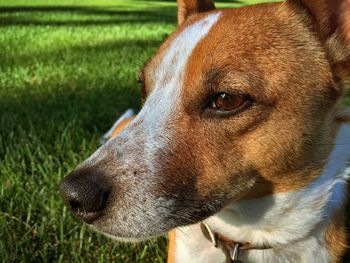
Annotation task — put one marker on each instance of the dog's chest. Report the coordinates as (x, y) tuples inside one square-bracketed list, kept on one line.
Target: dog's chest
[(192, 247)]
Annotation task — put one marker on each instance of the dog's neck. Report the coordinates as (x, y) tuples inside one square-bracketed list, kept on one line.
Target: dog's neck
[(293, 223)]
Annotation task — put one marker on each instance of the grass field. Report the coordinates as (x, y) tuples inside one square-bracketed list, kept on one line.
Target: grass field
[(67, 69)]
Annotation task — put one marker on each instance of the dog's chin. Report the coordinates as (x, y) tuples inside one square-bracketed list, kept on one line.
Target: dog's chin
[(127, 239), (130, 233), (120, 238)]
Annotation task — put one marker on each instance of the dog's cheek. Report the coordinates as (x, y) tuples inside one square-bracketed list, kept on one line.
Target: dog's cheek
[(201, 175)]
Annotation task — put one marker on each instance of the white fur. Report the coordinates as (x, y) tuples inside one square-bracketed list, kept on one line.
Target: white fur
[(162, 103), (292, 223), (192, 247)]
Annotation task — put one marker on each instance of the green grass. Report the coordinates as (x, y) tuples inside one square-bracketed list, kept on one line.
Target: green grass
[(67, 70)]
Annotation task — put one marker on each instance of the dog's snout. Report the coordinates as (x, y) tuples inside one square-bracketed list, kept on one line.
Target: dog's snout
[(85, 196)]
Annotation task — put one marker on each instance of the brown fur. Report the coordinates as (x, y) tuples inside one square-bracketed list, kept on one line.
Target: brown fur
[(331, 68), (336, 236), (281, 26), (346, 19)]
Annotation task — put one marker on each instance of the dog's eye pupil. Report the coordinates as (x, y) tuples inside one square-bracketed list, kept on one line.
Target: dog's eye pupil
[(227, 102)]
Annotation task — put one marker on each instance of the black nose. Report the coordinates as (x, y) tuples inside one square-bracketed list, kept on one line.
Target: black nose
[(85, 195)]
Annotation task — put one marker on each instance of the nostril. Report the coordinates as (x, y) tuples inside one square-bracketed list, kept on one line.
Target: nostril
[(84, 214), (104, 199), (74, 205)]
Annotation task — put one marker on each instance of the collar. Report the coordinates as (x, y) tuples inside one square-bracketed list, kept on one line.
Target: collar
[(230, 247)]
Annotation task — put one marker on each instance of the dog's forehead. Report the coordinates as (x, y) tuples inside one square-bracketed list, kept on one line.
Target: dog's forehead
[(210, 40), (170, 62), (256, 49)]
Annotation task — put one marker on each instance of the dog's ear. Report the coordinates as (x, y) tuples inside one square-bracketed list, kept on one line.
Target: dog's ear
[(186, 8), (331, 22), (345, 20)]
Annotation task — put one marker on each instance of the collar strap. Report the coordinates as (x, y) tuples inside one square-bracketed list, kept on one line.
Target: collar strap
[(230, 248)]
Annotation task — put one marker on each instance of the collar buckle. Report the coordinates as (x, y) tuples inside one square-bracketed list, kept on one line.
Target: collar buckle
[(234, 253), (209, 234)]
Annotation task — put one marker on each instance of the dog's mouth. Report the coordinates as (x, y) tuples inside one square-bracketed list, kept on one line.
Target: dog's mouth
[(134, 224), (125, 239)]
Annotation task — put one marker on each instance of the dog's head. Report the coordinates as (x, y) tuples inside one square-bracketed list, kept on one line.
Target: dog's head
[(239, 102)]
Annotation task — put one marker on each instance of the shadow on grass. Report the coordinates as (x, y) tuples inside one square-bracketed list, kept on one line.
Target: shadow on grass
[(54, 57), (35, 15), (220, 1), (89, 10), (93, 107), (90, 15)]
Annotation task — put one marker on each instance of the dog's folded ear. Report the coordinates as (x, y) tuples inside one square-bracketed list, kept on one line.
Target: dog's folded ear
[(189, 7), (331, 21), (345, 20), (329, 15)]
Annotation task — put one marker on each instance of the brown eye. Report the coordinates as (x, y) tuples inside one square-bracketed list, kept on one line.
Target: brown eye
[(228, 102)]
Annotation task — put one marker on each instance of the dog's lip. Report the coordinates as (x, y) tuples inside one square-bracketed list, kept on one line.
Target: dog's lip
[(122, 238), (111, 231)]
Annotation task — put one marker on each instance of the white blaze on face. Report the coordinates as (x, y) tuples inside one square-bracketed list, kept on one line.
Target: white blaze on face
[(163, 102), (162, 105), (168, 76)]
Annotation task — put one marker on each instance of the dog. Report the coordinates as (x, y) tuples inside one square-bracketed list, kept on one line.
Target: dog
[(242, 145)]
